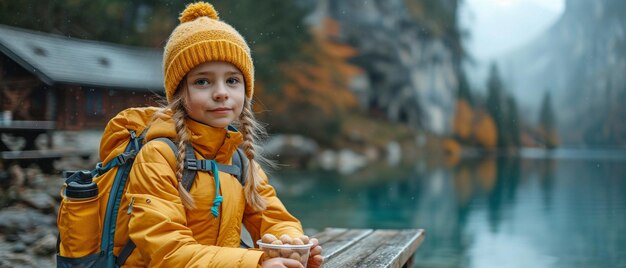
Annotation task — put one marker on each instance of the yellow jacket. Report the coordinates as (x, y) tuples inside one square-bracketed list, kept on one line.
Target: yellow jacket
[(167, 234)]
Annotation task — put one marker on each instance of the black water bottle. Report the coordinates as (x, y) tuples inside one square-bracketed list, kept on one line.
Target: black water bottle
[(81, 186)]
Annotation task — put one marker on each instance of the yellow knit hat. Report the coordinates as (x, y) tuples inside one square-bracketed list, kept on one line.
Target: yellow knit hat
[(201, 37)]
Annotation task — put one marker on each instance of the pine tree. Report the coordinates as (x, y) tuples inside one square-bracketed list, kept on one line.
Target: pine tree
[(547, 121), (463, 115), (513, 123), (464, 91), (494, 103)]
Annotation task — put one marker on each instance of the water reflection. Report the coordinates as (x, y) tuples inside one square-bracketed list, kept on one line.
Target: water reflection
[(488, 212)]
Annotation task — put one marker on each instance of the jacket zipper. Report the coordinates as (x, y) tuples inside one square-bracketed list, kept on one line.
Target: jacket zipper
[(130, 206)]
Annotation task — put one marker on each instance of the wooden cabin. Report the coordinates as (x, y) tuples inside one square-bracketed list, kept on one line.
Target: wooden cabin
[(53, 84), (74, 84)]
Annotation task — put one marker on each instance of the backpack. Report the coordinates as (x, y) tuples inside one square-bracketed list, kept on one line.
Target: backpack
[(87, 221)]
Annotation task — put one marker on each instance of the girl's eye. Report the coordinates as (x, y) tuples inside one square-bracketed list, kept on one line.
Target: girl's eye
[(202, 82), (232, 80)]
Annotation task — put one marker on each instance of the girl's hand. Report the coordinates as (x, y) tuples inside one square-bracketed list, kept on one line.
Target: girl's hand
[(315, 257), (282, 263)]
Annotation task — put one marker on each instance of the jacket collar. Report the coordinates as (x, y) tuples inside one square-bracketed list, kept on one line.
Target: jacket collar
[(213, 143), (208, 141)]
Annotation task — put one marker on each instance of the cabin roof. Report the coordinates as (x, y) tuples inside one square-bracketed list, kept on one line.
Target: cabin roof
[(59, 59)]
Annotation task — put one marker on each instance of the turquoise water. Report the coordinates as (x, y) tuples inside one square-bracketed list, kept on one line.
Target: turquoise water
[(534, 211)]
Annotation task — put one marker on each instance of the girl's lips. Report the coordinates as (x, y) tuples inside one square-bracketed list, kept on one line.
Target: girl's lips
[(220, 110)]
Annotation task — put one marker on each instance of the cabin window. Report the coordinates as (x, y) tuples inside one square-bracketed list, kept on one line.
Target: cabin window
[(94, 102)]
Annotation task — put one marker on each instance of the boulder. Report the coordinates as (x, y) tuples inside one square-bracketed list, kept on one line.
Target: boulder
[(293, 150), (45, 246), (14, 220), (37, 199)]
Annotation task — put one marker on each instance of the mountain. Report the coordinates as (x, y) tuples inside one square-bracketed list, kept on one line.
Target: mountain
[(496, 30), (581, 60)]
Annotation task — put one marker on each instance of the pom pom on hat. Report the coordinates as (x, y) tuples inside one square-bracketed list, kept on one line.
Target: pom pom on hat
[(196, 10)]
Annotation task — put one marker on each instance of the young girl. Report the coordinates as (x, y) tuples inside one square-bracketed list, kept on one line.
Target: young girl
[(209, 79)]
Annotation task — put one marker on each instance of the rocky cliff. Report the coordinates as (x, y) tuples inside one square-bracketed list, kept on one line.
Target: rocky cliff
[(581, 59), (410, 72)]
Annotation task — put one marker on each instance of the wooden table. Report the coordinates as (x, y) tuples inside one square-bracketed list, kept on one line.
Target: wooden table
[(346, 248)]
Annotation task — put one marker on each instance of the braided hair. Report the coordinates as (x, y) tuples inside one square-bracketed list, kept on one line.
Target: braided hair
[(252, 131), (179, 113)]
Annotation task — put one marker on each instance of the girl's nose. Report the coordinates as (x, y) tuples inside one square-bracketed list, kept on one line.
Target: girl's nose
[(220, 93)]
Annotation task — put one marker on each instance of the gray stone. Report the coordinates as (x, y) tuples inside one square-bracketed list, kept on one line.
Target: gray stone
[(394, 153), (11, 237), (348, 161), (30, 237), (17, 176), (32, 172), (45, 246), (17, 219), (290, 144), (54, 183), (37, 199), (18, 247), (38, 181), (327, 160), (8, 259), (292, 150)]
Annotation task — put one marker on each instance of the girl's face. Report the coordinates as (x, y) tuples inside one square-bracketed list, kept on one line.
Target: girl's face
[(215, 93)]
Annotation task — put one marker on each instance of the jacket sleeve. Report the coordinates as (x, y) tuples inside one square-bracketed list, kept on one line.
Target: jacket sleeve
[(158, 223), (275, 219)]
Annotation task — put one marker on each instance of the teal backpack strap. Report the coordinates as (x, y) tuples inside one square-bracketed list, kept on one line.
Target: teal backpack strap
[(169, 142), (191, 167), (125, 253), (233, 170), (239, 168), (130, 245), (189, 174), (113, 204), (243, 161)]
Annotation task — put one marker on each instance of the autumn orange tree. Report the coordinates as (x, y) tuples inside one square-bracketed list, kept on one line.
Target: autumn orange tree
[(315, 96), (463, 120), (484, 130), (472, 125)]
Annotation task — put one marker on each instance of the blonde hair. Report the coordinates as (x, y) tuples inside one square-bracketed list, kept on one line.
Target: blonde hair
[(251, 130)]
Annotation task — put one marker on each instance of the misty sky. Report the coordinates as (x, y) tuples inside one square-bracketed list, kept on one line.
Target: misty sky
[(499, 26)]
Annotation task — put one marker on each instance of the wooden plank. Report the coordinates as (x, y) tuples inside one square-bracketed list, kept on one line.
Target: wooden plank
[(409, 249), (42, 154), (382, 248), (328, 234), (36, 154), (27, 125), (334, 241)]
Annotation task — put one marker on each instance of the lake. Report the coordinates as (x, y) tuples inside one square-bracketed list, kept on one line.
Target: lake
[(562, 209)]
